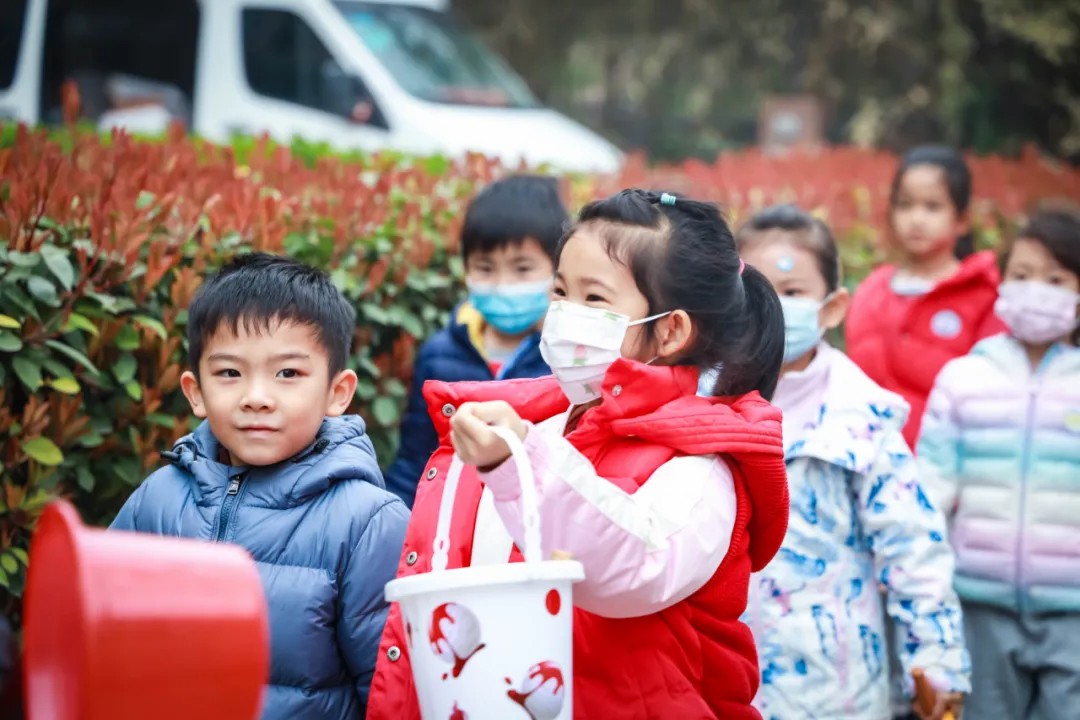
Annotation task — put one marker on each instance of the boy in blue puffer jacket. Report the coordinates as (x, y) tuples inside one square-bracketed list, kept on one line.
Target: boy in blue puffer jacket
[(277, 468), (511, 232)]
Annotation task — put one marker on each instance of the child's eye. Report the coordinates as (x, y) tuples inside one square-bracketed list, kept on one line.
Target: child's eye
[(289, 373), (227, 373), (524, 269), (558, 292), (792, 292), (594, 299)]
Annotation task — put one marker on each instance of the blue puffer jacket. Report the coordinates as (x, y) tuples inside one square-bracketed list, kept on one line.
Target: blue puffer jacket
[(326, 538), (450, 355)]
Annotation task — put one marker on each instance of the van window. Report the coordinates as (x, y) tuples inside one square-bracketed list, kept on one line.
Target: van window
[(12, 16), (285, 60), (119, 54), (433, 57)]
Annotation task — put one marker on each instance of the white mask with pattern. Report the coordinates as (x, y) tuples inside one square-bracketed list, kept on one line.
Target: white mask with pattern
[(579, 344)]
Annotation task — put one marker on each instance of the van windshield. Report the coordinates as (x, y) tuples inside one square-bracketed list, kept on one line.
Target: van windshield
[(433, 58)]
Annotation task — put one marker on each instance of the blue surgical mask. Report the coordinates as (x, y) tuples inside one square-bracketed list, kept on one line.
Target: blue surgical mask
[(511, 309), (802, 331)]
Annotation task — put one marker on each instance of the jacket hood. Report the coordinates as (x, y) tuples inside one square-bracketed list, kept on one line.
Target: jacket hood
[(855, 418)]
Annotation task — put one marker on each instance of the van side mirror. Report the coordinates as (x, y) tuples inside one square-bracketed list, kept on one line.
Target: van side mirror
[(345, 95)]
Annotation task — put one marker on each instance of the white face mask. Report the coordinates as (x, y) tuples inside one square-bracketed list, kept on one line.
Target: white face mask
[(1036, 312), (579, 344)]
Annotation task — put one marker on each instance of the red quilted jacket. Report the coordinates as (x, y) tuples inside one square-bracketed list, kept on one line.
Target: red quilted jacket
[(692, 660), (902, 342)]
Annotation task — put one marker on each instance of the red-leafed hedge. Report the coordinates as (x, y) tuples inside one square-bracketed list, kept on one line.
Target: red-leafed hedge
[(106, 240)]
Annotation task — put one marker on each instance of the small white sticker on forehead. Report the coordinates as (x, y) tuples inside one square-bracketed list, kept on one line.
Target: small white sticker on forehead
[(785, 263)]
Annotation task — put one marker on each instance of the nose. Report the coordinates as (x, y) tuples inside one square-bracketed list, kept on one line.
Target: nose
[(257, 396)]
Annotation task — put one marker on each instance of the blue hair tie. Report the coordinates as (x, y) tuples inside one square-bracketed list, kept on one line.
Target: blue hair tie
[(667, 199)]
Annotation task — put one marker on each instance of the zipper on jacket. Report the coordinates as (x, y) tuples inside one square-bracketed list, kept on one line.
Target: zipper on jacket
[(228, 506), (1025, 467)]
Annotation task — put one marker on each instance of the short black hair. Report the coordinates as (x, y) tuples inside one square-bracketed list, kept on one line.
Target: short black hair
[(808, 232), (256, 289), (511, 210)]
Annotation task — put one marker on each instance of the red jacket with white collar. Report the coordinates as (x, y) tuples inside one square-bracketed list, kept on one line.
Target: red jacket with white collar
[(903, 341), (693, 659)]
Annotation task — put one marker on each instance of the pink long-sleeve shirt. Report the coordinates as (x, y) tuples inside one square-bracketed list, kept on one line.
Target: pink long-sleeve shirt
[(642, 552)]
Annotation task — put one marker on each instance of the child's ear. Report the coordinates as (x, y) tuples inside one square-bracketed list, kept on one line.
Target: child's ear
[(190, 385), (834, 311), (342, 389), (675, 333)]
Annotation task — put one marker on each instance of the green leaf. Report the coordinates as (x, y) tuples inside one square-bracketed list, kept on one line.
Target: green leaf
[(385, 409), (128, 338), (84, 478), (4, 581), (110, 304), (22, 555), (91, 439), (17, 297), (43, 450), (66, 385), (145, 200), (161, 420), (43, 290), (73, 354), (56, 369), (59, 264), (124, 368), (9, 563), (152, 324), (76, 321), (28, 371), (6, 321), (134, 390), (10, 342), (24, 260)]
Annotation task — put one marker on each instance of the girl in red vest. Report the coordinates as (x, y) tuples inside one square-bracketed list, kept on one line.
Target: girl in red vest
[(907, 320), (668, 499)]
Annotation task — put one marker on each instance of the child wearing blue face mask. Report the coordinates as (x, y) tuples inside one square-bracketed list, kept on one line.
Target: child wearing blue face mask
[(860, 520), (511, 232)]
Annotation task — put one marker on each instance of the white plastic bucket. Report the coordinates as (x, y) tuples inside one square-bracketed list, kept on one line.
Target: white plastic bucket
[(492, 642)]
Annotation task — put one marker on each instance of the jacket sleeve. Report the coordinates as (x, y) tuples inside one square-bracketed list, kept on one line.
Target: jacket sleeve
[(418, 437), (362, 608), (126, 519), (642, 551), (938, 449), (906, 533)]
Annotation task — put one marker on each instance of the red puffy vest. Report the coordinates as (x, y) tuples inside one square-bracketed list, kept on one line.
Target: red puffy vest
[(692, 660), (902, 342)]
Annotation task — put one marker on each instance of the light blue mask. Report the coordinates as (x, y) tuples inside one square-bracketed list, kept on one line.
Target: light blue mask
[(802, 331), (511, 309)]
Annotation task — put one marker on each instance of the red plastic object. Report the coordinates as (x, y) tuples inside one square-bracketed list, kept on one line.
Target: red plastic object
[(124, 625)]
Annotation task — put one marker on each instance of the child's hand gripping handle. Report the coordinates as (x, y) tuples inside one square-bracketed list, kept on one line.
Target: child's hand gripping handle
[(926, 696), (530, 504)]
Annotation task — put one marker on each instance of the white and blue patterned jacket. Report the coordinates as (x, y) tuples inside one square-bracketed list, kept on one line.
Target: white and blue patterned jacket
[(862, 532)]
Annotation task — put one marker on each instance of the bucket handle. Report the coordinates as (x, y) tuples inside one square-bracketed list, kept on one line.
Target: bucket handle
[(530, 503)]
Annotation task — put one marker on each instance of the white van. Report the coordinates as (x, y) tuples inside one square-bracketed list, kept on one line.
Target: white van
[(367, 74)]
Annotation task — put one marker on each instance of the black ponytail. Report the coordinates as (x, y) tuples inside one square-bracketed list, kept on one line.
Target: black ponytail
[(682, 256), (753, 358)]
